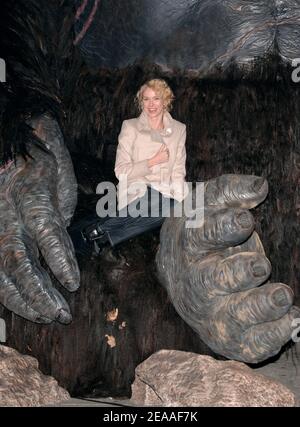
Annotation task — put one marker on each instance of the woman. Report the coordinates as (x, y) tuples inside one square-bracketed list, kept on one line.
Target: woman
[(150, 167)]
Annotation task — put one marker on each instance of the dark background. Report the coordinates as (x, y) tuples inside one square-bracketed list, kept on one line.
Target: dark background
[(237, 122)]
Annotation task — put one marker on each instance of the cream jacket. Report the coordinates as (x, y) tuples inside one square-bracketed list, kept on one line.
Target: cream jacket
[(137, 144)]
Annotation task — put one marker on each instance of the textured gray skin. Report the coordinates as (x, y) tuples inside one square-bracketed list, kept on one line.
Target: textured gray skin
[(48, 130), (190, 34), (37, 201), (213, 274)]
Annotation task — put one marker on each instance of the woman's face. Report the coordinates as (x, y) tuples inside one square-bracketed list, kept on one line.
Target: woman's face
[(153, 104)]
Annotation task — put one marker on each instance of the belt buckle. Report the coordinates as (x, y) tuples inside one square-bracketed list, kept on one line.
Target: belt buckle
[(91, 233)]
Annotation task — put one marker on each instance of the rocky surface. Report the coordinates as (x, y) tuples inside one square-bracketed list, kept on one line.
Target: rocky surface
[(22, 384), (175, 378)]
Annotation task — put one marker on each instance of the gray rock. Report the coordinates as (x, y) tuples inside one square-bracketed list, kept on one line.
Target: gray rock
[(22, 384), (175, 378)]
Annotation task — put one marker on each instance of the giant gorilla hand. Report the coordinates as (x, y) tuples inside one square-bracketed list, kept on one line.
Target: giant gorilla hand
[(37, 200), (212, 274)]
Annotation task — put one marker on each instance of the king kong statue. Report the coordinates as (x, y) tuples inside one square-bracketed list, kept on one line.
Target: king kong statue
[(73, 68)]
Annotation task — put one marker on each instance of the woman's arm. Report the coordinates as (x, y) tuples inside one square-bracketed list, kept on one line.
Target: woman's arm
[(179, 186), (125, 164), (178, 171)]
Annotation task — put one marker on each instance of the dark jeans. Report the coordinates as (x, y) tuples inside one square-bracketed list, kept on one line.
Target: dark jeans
[(153, 208), (151, 211)]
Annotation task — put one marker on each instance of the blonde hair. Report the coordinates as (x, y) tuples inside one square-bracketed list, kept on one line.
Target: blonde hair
[(160, 87)]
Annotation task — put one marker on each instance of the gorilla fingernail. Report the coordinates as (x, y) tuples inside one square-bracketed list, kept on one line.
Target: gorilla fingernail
[(71, 286), (259, 184), (244, 219), (64, 316), (258, 269), (282, 297)]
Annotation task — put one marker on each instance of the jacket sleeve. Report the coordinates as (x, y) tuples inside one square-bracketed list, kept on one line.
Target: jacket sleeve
[(179, 186), (124, 158)]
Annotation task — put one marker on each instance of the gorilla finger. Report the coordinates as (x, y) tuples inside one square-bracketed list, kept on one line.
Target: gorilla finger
[(264, 304), (37, 203), (221, 229), (57, 248), (11, 299), (33, 283), (265, 340), (253, 244), (47, 129), (46, 225), (244, 191), (63, 314), (239, 272)]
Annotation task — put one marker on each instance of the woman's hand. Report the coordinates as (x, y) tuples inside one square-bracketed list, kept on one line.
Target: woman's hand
[(161, 156)]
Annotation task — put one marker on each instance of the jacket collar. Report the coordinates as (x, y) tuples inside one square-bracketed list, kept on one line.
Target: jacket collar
[(143, 124)]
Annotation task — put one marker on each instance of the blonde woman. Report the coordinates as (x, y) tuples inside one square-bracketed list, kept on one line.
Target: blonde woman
[(150, 167)]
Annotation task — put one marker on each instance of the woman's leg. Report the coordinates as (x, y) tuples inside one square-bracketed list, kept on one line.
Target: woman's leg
[(93, 232), (122, 228)]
